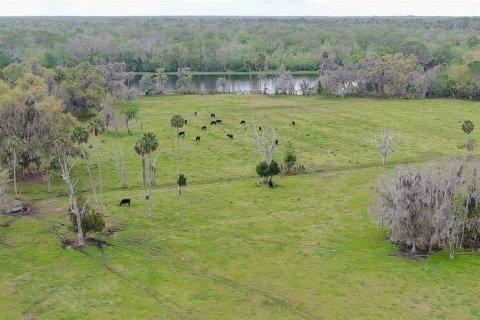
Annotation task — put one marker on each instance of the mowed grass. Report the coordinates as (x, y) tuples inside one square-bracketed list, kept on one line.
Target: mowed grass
[(229, 249)]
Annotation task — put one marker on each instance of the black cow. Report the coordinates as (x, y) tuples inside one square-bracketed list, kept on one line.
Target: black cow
[(195, 112), (197, 138), (213, 123), (230, 136), (276, 141), (242, 122), (181, 134), (212, 115), (259, 128), (293, 123), (124, 202), (219, 121), (204, 128), (186, 121)]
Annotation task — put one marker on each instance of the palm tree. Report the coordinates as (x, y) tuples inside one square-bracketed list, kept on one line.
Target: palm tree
[(80, 136), (96, 126), (178, 122), (147, 144), (140, 150), (12, 143), (467, 128)]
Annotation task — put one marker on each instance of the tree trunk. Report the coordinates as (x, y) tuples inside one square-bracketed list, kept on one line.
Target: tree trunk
[(80, 236), (92, 185), (251, 83), (15, 171), (48, 178), (229, 84), (150, 188), (179, 187), (466, 146), (128, 128), (100, 176), (144, 175)]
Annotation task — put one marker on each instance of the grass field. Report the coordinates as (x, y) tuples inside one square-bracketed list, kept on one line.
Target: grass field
[(229, 249)]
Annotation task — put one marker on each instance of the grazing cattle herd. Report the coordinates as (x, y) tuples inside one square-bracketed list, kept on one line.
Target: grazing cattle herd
[(218, 121), (125, 202)]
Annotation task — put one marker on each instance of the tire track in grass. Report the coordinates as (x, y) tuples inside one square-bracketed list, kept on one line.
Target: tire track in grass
[(166, 303), (35, 304), (290, 306), (237, 286), (172, 307)]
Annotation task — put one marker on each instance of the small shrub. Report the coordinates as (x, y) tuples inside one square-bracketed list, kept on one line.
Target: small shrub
[(92, 220), (267, 171), (182, 180)]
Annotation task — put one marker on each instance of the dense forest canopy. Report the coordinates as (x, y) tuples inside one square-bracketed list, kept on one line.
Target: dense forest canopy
[(233, 43)]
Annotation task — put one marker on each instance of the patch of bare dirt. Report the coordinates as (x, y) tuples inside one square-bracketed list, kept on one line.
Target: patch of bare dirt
[(6, 224), (409, 255), (36, 175), (71, 244), (110, 231), (26, 211)]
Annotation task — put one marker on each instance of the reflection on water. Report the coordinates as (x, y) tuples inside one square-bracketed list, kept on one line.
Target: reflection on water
[(237, 83)]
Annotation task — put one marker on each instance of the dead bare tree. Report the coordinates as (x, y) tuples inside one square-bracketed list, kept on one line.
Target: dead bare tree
[(432, 206), (119, 162), (154, 168), (100, 175), (66, 167), (385, 144), (265, 141)]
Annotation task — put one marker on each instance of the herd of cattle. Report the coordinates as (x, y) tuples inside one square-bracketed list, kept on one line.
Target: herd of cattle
[(126, 202), (214, 123)]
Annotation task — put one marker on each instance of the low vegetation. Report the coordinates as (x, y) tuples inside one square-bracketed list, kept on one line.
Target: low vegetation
[(229, 246)]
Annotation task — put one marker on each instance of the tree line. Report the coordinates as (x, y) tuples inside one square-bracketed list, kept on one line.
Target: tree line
[(232, 43)]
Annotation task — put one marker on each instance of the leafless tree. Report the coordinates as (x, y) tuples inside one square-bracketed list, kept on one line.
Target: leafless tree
[(432, 206), (100, 184), (161, 81), (265, 142), (154, 168), (119, 162), (385, 144), (106, 113), (222, 84), (66, 167), (305, 87), (114, 77)]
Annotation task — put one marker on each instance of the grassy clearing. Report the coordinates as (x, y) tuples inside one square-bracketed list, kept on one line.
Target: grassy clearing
[(231, 250)]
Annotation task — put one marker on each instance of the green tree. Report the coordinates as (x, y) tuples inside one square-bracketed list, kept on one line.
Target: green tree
[(129, 112), (467, 128), (177, 122), (290, 157), (96, 126), (319, 88), (267, 171), (83, 89), (145, 145), (184, 80), (91, 220), (79, 135)]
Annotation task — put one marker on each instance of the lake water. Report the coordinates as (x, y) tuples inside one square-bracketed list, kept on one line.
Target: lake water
[(238, 83)]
